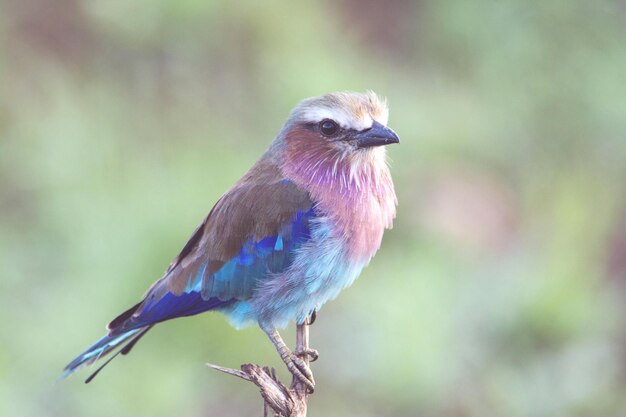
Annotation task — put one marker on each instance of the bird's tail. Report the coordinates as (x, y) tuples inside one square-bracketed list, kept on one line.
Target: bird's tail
[(103, 347)]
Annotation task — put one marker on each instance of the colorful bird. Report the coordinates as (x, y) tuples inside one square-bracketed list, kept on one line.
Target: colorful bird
[(290, 235)]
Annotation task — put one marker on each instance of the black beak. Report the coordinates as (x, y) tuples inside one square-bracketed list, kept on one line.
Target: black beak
[(377, 135)]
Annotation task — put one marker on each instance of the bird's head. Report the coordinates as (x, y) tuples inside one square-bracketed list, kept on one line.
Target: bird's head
[(337, 130), (346, 121)]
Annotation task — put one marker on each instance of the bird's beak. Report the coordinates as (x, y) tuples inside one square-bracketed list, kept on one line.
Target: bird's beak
[(377, 135)]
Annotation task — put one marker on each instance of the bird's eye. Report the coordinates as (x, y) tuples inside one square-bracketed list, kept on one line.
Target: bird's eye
[(329, 127)]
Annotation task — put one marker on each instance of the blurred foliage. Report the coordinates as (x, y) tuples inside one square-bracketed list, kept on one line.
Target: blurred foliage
[(499, 292)]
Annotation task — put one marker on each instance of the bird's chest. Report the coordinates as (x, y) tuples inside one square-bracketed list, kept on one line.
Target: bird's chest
[(326, 264), (356, 222), (345, 233), (340, 247), (320, 270), (323, 266)]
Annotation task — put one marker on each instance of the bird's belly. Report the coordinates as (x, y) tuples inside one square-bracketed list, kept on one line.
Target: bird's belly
[(320, 270)]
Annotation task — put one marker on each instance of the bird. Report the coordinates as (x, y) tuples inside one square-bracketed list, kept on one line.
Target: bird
[(293, 232)]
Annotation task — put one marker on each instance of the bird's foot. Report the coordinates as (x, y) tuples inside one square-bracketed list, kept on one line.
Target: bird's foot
[(300, 370), (312, 354), (297, 362)]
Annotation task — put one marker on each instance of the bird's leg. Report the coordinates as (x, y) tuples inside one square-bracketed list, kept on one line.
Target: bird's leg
[(310, 354), (298, 367)]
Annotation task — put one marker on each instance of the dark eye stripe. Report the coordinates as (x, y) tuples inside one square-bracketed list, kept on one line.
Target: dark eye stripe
[(310, 125)]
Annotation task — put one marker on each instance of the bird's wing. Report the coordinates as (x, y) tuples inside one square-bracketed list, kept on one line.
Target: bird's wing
[(252, 232)]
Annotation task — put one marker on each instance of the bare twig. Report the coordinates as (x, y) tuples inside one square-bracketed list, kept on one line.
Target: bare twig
[(230, 371), (283, 401)]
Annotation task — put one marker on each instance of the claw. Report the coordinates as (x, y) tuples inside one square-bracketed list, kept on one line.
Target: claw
[(312, 354), (296, 362), (301, 370)]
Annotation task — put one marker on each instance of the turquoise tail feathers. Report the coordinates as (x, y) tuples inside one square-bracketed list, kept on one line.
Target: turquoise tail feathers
[(103, 347)]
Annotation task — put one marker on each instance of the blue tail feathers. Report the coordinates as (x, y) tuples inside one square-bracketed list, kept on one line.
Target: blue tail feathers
[(100, 349)]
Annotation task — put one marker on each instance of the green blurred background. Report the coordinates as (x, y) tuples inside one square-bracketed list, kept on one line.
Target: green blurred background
[(500, 291)]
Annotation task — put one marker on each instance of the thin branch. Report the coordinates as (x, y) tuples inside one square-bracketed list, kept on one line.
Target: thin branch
[(230, 371)]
